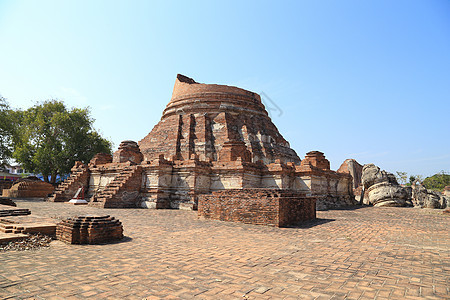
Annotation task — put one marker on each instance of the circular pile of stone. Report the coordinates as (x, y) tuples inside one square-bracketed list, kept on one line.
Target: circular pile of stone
[(89, 229)]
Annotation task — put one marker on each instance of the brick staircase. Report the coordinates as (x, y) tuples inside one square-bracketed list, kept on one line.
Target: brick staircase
[(122, 191), (66, 190)]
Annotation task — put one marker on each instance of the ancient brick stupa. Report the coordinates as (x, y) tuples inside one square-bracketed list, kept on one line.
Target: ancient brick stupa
[(210, 138)]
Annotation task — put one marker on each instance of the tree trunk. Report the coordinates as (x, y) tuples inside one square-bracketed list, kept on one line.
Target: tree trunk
[(45, 177), (53, 179)]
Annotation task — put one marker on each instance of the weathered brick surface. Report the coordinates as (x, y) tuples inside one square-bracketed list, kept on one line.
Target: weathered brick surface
[(101, 159), (316, 159), (89, 229), (352, 167), (278, 208), (128, 151)]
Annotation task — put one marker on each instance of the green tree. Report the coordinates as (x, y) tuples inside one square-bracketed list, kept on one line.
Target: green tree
[(419, 178), (402, 177), (6, 131), (437, 182), (51, 138)]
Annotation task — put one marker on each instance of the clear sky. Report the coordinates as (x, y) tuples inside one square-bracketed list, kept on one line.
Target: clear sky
[(368, 80)]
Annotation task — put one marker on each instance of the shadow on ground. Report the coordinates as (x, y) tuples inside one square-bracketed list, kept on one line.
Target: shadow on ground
[(310, 224), (125, 239)]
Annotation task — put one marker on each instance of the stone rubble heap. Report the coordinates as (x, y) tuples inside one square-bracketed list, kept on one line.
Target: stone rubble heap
[(382, 189), (424, 198)]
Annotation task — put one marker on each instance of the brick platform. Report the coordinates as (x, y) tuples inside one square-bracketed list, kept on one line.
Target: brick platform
[(89, 229), (271, 207), (28, 224)]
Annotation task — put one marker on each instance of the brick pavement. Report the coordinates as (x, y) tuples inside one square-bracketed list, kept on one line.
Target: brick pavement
[(366, 253)]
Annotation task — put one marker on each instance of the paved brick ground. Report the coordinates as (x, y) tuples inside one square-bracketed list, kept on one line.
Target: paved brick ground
[(366, 253)]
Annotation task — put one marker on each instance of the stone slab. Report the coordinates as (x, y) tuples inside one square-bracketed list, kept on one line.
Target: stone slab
[(78, 202)]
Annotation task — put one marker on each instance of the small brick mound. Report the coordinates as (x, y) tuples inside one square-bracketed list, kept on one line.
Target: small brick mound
[(89, 229), (279, 208), (29, 188)]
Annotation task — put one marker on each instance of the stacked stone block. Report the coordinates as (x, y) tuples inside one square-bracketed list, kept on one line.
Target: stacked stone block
[(89, 230), (279, 208)]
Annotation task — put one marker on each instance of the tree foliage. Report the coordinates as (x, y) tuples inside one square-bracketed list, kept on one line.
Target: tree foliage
[(401, 177), (437, 182), (6, 131), (51, 138)]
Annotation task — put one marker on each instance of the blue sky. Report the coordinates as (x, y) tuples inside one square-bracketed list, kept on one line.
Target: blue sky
[(368, 80)]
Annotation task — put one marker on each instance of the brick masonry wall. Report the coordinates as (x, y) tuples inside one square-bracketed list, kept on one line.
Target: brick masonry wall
[(296, 210), (271, 207)]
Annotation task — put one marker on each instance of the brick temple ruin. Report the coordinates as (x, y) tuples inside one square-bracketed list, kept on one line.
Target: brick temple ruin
[(210, 139)]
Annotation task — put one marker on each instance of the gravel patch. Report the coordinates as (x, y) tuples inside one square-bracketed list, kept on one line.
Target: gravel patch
[(33, 242)]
